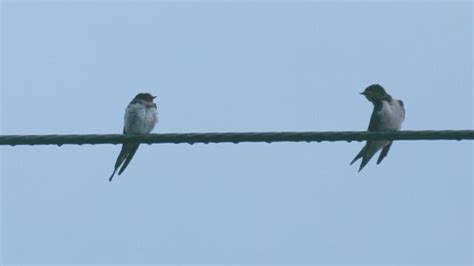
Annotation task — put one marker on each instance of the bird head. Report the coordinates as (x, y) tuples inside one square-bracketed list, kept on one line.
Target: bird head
[(146, 97), (375, 93)]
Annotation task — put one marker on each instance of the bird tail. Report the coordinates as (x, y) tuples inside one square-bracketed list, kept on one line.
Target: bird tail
[(365, 159), (366, 154), (131, 151), (112, 176), (359, 155), (370, 149), (126, 148), (384, 152)]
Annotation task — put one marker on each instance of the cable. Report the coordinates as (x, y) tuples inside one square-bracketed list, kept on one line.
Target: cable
[(237, 137)]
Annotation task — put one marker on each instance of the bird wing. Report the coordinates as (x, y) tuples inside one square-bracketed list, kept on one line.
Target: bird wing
[(375, 118), (403, 108), (371, 147)]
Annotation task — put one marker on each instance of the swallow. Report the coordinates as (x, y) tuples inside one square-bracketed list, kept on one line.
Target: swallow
[(140, 118), (388, 114)]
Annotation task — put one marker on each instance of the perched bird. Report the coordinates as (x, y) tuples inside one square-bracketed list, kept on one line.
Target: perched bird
[(141, 116), (388, 114)]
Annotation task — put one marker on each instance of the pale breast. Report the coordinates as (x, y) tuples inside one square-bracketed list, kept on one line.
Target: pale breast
[(392, 115), (140, 119)]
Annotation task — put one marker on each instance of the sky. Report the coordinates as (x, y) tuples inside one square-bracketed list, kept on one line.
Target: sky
[(235, 66)]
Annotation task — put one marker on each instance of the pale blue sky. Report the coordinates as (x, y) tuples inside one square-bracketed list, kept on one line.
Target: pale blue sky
[(235, 66)]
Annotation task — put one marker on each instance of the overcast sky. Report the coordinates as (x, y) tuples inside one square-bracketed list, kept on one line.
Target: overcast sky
[(72, 68)]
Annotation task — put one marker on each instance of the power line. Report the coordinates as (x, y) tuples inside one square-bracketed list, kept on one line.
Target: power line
[(237, 137)]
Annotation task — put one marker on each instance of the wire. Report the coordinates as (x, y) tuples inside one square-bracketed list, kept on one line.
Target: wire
[(237, 137)]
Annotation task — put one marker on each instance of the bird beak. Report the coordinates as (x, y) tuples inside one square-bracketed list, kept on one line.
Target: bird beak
[(363, 93), (153, 97)]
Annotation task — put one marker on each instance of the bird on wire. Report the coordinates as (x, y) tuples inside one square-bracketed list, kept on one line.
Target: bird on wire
[(388, 114), (141, 116)]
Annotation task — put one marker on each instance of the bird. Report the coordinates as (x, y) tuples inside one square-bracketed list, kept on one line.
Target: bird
[(388, 114), (140, 118)]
